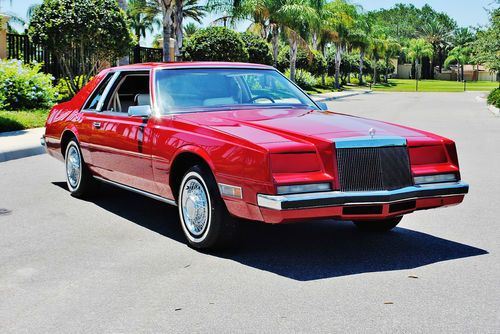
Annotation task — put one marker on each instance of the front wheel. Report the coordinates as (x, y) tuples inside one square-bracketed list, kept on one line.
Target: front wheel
[(204, 217), (378, 225), (80, 181)]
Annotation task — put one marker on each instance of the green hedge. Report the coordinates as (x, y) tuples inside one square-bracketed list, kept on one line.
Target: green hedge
[(494, 97), (215, 44), (258, 49)]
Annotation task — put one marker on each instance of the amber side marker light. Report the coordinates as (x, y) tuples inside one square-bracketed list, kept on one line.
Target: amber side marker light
[(230, 191)]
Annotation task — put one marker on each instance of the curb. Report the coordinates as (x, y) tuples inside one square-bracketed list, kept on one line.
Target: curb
[(494, 110), (323, 99)]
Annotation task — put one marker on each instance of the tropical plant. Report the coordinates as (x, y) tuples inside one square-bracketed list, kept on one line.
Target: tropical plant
[(460, 55), (143, 17), (438, 32), (340, 20), (190, 29), (377, 50), (392, 49), (216, 44), (95, 30), (418, 49), (358, 39)]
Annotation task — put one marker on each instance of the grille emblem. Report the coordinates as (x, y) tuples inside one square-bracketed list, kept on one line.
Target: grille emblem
[(372, 132)]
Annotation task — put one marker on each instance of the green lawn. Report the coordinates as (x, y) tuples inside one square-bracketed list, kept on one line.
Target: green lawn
[(406, 85), (20, 120)]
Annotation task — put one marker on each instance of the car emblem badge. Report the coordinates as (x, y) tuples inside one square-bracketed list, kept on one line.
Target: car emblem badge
[(372, 132)]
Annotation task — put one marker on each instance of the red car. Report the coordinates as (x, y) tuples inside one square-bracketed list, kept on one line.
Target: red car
[(226, 140)]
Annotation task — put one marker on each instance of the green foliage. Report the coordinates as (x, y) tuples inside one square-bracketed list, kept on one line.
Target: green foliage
[(63, 90), (24, 87), (303, 79), (494, 97), (312, 61), (20, 120), (258, 49), (486, 48), (95, 30), (216, 44)]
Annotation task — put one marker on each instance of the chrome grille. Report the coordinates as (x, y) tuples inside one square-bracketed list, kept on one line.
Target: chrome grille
[(373, 168)]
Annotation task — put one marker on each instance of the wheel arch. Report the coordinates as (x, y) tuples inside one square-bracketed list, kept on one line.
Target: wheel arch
[(66, 136), (185, 158)]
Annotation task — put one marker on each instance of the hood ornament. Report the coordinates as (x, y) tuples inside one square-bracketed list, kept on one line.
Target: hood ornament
[(372, 132)]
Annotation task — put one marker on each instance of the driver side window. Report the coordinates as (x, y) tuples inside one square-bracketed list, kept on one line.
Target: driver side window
[(130, 89)]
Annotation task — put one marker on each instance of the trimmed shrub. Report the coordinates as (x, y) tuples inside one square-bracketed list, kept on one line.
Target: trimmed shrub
[(318, 65), (313, 62), (62, 88), (303, 79), (24, 87), (259, 51), (215, 44), (494, 97)]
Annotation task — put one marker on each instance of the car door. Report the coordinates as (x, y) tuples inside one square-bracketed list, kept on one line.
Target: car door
[(120, 145)]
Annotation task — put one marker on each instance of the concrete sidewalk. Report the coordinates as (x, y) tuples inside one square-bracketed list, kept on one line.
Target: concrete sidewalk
[(338, 95), (20, 144), (25, 143)]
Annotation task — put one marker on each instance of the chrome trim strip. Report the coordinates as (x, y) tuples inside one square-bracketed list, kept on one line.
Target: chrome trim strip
[(368, 141), (339, 198), (138, 191)]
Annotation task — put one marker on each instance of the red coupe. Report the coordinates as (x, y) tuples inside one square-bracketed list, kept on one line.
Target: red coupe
[(226, 140)]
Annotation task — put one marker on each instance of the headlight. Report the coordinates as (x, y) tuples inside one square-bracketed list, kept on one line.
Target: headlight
[(304, 188), (435, 178)]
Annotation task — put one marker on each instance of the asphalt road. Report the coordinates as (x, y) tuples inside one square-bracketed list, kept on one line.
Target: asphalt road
[(119, 264)]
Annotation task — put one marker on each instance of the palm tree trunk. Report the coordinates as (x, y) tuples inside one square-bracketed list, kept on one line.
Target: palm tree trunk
[(167, 24), (361, 60), (293, 57), (374, 80), (338, 59), (179, 7), (274, 41), (315, 40)]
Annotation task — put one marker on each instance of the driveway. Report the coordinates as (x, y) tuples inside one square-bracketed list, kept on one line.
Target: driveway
[(118, 263)]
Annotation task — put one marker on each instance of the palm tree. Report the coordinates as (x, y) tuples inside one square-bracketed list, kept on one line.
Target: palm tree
[(392, 49), (143, 17), (460, 55), (359, 40), (439, 35), (340, 20), (377, 51), (418, 49), (190, 29), (185, 9)]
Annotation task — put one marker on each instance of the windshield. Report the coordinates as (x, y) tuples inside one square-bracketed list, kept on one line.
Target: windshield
[(209, 89)]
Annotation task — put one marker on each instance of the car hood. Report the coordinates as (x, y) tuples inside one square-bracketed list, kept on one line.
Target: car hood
[(273, 125)]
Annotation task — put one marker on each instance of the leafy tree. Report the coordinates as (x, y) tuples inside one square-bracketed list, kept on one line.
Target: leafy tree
[(94, 30), (486, 48), (377, 51), (216, 44), (258, 50), (392, 49), (358, 39)]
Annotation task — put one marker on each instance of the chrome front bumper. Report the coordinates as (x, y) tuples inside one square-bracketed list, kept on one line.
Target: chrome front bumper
[(339, 198)]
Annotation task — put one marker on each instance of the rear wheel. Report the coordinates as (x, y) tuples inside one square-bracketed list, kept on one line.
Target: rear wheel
[(80, 181), (383, 225), (204, 217)]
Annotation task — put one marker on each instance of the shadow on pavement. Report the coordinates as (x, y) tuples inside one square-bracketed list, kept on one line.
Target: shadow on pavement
[(302, 251)]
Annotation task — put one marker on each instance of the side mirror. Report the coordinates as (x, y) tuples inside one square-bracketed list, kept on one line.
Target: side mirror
[(140, 111), (322, 105)]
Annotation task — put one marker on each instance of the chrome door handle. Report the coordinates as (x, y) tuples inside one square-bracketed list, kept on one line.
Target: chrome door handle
[(97, 125)]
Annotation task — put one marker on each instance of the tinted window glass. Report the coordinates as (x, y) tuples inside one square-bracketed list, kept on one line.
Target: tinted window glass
[(185, 90), (97, 95)]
